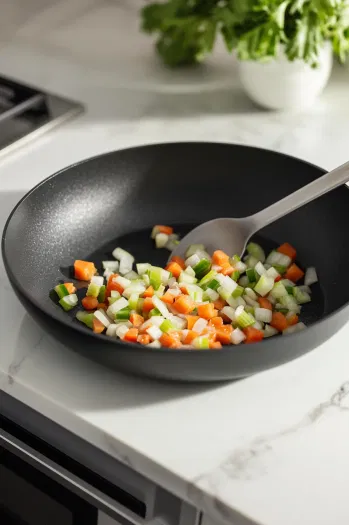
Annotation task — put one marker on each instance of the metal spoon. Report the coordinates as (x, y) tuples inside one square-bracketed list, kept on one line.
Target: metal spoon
[(232, 235)]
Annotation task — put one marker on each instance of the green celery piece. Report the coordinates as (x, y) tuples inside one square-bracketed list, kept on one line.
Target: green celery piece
[(85, 318), (251, 274), (239, 290), (202, 268), (101, 295), (166, 326), (61, 290), (123, 314), (154, 312), (214, 284), (279, 268), (208, 278), (93, 290), (155, 277), (235, 275)]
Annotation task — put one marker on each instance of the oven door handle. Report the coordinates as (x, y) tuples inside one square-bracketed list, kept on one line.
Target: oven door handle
[(74, 483)]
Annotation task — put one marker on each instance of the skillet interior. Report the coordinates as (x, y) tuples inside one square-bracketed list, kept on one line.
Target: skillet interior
[(88, 209)]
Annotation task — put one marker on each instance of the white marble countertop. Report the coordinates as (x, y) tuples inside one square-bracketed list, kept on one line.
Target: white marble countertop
[(271, 449)]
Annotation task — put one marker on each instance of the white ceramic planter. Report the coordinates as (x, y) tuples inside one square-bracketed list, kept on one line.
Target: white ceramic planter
[(284, 85)]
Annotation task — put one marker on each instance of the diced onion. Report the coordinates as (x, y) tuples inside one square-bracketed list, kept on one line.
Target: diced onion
[(310, 276)]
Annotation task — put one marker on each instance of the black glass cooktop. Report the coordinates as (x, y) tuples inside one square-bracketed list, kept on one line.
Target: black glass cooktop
[(26, 112)]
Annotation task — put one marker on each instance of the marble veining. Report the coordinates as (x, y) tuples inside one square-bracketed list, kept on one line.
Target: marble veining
[(228, 449)]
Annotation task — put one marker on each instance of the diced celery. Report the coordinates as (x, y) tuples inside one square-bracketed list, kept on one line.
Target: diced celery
[(256, 251), (207, 279), (93, 290), (185, 278), (289, 302), (68, 302), (133, 301), (251, 275), (61, 290), (243, 318), (279, 268), (301, 296), (239, 290), (251, 261), (264, 285), (140, 304), (202, 268), (154, 312), (278, 290), (201, 343), (214, 284), (166, 326), (85, 317), (235, 275), (155, 276), (123, 314), (101, 295)]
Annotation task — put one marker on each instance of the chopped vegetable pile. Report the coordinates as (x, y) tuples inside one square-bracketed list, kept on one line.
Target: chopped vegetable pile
[(202, 302)]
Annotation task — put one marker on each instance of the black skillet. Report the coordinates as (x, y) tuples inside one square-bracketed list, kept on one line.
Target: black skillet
[(86, 210)]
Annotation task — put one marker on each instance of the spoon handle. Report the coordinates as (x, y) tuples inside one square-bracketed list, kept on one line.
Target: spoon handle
[(308, 193)]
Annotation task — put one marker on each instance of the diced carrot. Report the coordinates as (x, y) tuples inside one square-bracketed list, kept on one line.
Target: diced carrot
[(189, 338), (216, 322), (89, 303), (216, 345), (167, 298), (170, 340), (112, 285), (279, 321), (164, 229), (265, 303), (223, 334), (143, 339), (136, 319), (70, 287), (288, 250), (294, 273), (220, 258), (179, 261), (253, 335), (292, 320), (191, 320), (84, 270), (98, 327), (184, 304), (227, 269), (219, 304), (174, 268), (149, 292), (103, 306), (148, 304), (131, 335), (207, 311), (183, 288)]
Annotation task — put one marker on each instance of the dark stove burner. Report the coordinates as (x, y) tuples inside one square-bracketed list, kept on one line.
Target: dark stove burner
[(26, 112)]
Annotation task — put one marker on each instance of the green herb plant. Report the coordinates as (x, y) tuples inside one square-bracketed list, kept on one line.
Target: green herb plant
[(256, 29)]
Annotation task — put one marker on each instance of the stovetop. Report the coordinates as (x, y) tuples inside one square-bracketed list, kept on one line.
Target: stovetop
[(26, 112)]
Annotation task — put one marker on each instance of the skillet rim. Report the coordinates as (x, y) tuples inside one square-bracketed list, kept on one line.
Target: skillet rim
[(118, 343)]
